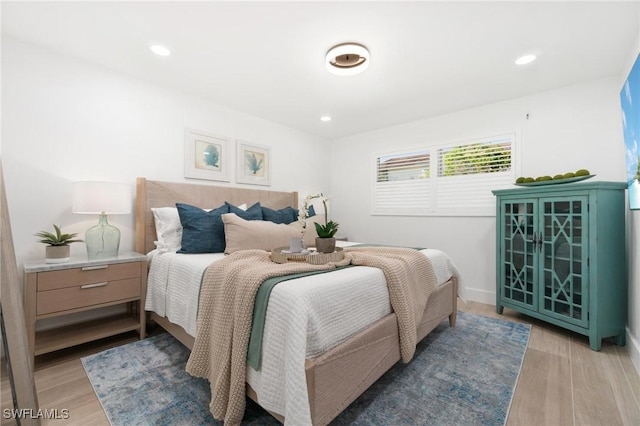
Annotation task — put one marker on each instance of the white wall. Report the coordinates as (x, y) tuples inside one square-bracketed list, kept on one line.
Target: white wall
[(66, 120), (569, 128)]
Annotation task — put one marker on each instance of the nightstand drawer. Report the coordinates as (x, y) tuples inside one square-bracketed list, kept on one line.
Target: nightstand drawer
[(52, 280), (90, 294)]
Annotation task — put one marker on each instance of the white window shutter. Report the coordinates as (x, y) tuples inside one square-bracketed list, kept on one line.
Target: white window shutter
[(457, 180)]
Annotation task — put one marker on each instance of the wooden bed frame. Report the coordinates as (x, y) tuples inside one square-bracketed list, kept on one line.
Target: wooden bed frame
[(335, 378)]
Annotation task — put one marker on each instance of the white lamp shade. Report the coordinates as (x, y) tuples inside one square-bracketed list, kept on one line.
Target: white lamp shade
[(101, 197)]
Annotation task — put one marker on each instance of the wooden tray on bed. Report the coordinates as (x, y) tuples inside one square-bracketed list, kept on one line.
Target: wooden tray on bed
[(282, 255)]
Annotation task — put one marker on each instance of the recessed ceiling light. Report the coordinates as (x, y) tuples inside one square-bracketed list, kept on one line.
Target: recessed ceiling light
[(325, 118), (525, 59), (160, 50), (347, 59)]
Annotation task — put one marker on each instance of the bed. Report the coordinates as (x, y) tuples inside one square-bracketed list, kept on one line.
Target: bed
[(333, 373)]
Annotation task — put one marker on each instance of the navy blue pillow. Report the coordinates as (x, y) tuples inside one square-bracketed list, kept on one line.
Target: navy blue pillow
[(202, 231), (252, 213), (311, 211), (286, 215)]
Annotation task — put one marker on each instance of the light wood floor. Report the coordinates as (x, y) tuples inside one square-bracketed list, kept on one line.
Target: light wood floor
[(562, 382)]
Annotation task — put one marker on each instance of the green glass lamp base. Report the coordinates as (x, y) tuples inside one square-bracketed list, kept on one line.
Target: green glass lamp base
[(102, 240)]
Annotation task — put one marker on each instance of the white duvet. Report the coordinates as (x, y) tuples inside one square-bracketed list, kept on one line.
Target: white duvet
[(305, 317)]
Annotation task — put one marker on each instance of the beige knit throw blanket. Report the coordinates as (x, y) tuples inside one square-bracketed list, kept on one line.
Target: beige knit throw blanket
[(227, 296)]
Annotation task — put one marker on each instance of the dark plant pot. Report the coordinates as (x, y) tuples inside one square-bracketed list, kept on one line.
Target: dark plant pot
[(326, 245), (57, 254)]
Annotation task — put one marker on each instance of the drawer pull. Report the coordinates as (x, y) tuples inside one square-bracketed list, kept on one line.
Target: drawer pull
[(93, 268), (94, 285)]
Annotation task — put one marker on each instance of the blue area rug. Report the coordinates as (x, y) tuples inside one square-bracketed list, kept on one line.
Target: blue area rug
[(459, 376)]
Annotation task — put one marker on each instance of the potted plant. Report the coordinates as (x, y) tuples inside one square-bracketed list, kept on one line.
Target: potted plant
[(325, 242), (57, 250)]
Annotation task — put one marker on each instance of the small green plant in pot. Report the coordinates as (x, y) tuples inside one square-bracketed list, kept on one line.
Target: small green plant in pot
[(328, 230), (57, 250), (325, 242)]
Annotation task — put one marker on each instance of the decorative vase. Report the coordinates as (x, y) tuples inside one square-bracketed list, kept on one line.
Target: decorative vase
[(325, 245), (57, 254)]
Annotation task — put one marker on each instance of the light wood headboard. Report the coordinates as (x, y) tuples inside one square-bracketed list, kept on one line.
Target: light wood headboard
[(150, 193)]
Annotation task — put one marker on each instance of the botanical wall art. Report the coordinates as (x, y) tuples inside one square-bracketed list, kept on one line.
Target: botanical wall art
[(630, 100), (254, 164), (206, 156)]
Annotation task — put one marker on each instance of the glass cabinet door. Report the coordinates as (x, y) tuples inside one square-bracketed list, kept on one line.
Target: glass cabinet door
[(519, 274), (562, 246)]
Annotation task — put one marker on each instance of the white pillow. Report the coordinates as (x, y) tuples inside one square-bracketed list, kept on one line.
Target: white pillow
[(241, 234), (168, 229)]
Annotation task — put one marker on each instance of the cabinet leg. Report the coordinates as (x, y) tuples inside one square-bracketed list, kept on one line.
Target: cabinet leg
[(595, 343), (499, 309), (620, 339)]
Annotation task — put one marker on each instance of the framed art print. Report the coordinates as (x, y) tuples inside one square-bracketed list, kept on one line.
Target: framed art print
[(254, 164), (630, 102), (206, 156)]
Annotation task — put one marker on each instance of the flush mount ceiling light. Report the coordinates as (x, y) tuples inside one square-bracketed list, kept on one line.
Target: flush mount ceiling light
[(160, 50), (525, 59), (325, 118), (347, 59)]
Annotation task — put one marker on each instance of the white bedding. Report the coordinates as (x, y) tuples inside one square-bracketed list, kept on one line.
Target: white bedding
[(305, 317), (173, 286)]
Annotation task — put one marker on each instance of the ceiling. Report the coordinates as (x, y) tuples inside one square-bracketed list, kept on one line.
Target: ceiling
[(267, 58)]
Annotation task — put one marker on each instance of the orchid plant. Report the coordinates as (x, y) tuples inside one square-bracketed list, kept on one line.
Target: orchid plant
[(329, 228)]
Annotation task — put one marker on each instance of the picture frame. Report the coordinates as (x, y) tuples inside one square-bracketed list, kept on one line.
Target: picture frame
[(630, 103), (207, 156), (253, 163)]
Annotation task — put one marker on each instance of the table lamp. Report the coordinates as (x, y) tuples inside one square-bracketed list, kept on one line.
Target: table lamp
[(102, 198)]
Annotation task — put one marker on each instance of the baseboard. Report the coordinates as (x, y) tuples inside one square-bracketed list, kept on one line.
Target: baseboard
[(481, 296), (633, 347)]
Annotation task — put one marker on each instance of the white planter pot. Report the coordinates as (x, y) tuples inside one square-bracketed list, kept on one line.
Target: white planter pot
[(57, 254)]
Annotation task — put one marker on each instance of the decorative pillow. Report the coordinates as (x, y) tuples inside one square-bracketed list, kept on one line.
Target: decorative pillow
[(202, 231), (311, 211), (168, 229), (286, 215), (252, 213), (243, 234)]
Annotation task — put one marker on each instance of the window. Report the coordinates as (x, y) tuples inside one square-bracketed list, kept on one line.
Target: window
[(453, 179), (404, 166), (403, 176), (474, 158)]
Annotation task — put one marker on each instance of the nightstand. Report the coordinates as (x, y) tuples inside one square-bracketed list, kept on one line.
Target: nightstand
[(55, 290)]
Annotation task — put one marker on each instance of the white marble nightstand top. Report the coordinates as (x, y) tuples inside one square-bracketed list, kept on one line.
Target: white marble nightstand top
[(39, 265)]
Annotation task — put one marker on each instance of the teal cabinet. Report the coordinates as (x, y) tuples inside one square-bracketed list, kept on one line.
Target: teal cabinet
[(561, 256)]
